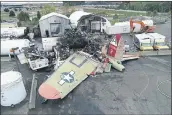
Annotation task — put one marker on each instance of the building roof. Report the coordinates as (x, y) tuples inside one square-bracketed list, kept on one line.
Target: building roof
[(156, 35), (75, 16), (142, 36), (53, 14)]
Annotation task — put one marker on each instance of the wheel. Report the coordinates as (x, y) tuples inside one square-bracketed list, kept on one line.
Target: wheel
[(12, 106)]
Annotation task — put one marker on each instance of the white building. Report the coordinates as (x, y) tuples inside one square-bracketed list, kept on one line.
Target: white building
[(89, 22), (75, 16), (53, 24)]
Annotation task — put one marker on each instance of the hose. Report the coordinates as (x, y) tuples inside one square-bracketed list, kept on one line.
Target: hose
[(161, 91)]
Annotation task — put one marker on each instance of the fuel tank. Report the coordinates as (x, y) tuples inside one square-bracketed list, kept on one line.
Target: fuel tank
[(6, 45)]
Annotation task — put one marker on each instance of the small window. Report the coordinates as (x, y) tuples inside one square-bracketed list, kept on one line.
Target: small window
[(55, 29)]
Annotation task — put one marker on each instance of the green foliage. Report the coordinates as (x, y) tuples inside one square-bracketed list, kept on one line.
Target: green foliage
[(147, 6), (16, 9), (115, 16), (11, 14), (48, 9), (73, 3), (148, 13), (23, 16), (103, 13), (114, 21), (19, 24), (6, 10), (34, 21), (38, 15), (154, 13)]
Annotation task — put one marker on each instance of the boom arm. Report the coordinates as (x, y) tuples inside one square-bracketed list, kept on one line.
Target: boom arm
[(138, 22)]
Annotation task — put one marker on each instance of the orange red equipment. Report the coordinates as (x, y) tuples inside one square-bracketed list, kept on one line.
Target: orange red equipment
[(144, 28)]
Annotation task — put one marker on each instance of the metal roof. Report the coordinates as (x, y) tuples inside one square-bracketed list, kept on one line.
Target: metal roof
[(142, 36), (53, 14), (156, 35), (75, 16)]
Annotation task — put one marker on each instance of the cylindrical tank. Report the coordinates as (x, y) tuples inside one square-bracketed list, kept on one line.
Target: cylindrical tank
[(19, 31), (148, 22), (12, 88), (6, 45)]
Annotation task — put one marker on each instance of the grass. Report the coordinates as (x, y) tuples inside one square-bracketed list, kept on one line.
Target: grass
[(111, 13), (5, 16), (113, 21)]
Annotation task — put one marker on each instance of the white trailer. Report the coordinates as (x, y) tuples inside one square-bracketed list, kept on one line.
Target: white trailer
[(17, 32), (6, 45), (124, 27), (143, 42), (158, 41)]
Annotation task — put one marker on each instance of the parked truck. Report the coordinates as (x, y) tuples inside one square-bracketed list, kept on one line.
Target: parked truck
[(158, 41), (143, 42)]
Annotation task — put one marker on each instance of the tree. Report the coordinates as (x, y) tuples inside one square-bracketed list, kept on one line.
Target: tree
[(23, 16), (73, 3), (19, 24), (115, 16), (16, 9), (38, 15), (148, 13), (12, 14), (6, 10), (154, 13), (48, 9)]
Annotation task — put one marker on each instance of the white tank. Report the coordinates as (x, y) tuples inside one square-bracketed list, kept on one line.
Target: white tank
[(12, 88), (6, 45), (148, 22), (19, 31), (126, 25)]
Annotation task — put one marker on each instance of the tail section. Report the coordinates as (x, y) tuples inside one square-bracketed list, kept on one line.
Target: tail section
[(116, 47)]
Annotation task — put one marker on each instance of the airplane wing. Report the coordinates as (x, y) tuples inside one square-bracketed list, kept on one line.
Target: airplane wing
[(69, 75), (129, 57)]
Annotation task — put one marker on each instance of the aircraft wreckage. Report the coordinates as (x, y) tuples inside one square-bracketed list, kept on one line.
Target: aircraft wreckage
[(80, 65)]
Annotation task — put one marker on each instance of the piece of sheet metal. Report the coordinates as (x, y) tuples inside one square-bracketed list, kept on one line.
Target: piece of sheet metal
[(22, 58)]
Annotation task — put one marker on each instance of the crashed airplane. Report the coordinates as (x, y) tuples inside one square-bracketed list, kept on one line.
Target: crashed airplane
[(70, 74), (115, 53), (79, 66)]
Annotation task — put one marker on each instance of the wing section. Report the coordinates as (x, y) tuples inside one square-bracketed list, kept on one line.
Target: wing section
[(70, 74), (129, 57)]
